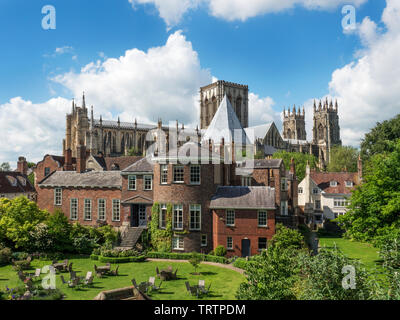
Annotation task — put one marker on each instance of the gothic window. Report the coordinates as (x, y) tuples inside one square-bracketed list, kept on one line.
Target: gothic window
[(123, 144), (289, 134), (206, 111), (239, 107), (298, 134), (214, 104), (320, 132)]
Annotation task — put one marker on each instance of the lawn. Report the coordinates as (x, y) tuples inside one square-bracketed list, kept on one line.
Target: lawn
[(224, 282), (366, 253)]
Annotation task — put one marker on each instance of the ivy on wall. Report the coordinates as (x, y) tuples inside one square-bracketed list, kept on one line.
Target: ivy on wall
[(161, 239)]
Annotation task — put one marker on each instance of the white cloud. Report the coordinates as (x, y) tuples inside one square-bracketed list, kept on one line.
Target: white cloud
[(172, 11), (162, 82), (65, 49), (368, 89), (261, 111), (31, 130)]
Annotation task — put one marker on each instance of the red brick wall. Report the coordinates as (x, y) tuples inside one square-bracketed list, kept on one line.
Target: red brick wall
[(47, 162), (246, 226), (126, 194), (46, 201)]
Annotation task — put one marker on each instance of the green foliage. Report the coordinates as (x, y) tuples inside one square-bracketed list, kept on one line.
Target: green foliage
[(259, 155), (343, 158), (161, 239), (322, 275), (195, 260), (220, 251), (270, 276), (185, 256), (300, 159), (31, 178), (389, 246), (18, 219), (5, 256), (134, 152), (5, 166), (240, 263), (375, 205), (379, 139), (60, 230), (286, 238)]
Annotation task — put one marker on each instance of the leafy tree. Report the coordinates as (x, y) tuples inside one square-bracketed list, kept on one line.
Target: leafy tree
[(5, 166), (375, 205), (60, 231), (343, 158), (300, 160), (195, 261), (220, 251), (18, 218), (378, 140), (286, 238)]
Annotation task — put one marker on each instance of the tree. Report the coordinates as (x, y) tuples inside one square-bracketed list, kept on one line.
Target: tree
[(195, 261), (378, 139), (134, 152), (286, 238), (343, 158), (375, 205), (5, 166), (60, 230), (300, 159)]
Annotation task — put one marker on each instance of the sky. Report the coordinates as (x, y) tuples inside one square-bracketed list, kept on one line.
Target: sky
[(147, 59)]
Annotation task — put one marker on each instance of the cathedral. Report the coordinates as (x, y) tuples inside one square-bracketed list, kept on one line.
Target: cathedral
[(116, 138)]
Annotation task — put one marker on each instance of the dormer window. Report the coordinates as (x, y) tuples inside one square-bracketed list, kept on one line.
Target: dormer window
[(333, 183), (349, 184), (12, 181)]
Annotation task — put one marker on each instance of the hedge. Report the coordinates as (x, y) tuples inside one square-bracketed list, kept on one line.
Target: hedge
[(185, 256), (118, 259)]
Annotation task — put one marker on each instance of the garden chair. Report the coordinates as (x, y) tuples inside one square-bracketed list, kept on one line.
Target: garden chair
[(89, 279), (69, 268), (21, 276), (158, 272), (174, 275), (37, 274), (152, 284), (170, 269), (143, 287), (134, 282), (115, 272), (72, 275), (63, 280), (202, 287), (165, 276), (191, 290)]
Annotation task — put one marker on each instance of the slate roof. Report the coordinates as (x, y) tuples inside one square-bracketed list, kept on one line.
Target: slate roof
[(189, 151), (144, 165), (122, 162), (296, 141), (91, 179), (246, 167), (323, 180), (225, 125), (124, 125), (7, 178), (233, 197)]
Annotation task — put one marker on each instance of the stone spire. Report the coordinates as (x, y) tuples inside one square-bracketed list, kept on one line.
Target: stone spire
[(83, 101)]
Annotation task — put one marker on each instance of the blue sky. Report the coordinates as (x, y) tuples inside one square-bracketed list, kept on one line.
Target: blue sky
[(286, 56)]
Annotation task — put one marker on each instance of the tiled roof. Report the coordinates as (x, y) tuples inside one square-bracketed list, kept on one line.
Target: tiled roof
[(243, 198), (122, 162), (13, 182), (225, 124), (91, 179), (323, 180), (246, 168), (143, 165)]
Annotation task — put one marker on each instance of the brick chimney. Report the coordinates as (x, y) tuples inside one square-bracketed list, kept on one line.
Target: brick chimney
[(81, 159), (68, 160), (360, 169), (22, 166)]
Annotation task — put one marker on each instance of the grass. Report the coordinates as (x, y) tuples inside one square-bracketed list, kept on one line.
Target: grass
[(364, 252), (224, 282)]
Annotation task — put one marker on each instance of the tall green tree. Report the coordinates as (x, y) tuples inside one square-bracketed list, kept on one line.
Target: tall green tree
[(378, 139), (300, 160), (375, 205), (5, 166), (343, 158)]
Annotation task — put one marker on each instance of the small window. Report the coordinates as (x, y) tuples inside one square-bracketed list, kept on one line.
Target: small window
[(315, 191), (262, 244), (148, 182), (116, 210), (195, 217), (262, 218), (204, 240), (333, 183), (58, 196), (349, 184), (164, 173), (178, 243), (163, 216), (101, 208), (229, 243), (46, 171), (300, 190), (195, 174), (179, 174), (284, 208), (74, 209), (178, 217), (230, 217), (87, 209), (131, 182), (284, 184), (318, 204)]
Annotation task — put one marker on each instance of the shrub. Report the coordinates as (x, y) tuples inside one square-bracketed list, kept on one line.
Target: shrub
[(220, 251), (240, 263), (389, 246), (20, 255), (5, 256), (195, 260), (286, 238), (185, 256), (121, 259)]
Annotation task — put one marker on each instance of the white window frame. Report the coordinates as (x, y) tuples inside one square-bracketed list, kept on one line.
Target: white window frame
[(349, 184), (177, 217), (164, 174), (76, 210), (195, 208), (162, 208), (178, 243), (333, 183), (284, 208), (197, 166), (183, 173), (228, 218), (266, 218), (132, 178), (144, 182), (99, 207), (229, 243), (204, 242), (58, 195), (87, 208), (116, 209)]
